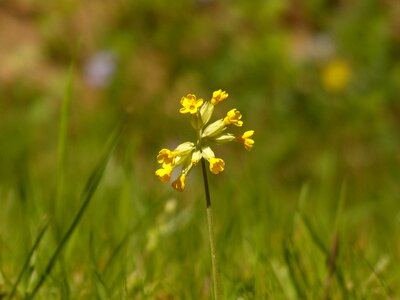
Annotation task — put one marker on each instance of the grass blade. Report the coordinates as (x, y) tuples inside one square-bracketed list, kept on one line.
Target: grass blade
[(39, 237), (62, 139), (86, 196), (332, 256), (288, 256)]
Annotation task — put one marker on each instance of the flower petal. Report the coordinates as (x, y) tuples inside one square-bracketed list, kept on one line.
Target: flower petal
[(164, 173), (179, 183)]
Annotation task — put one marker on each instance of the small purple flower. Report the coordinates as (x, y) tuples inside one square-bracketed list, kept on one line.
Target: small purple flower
[(99, 68)]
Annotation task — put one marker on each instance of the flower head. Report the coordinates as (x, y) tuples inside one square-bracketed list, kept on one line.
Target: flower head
[(188, 154), (190, 104)]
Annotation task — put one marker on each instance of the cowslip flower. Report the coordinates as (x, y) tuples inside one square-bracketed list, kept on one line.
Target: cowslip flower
[(218, 96), (245, 138), (190, 104), (188, 154), (233, 117), (336, 75)]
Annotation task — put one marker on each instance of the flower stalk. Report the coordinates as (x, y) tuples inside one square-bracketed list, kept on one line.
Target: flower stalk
[(214, 262), (189, 154)]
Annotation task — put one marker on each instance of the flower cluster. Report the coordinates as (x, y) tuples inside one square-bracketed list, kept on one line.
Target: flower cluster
[(189, 154)]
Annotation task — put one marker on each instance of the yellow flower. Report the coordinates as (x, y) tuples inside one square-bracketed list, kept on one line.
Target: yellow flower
[(336, 75), (179, 183), (218, 96), (246, 139), (164, 173), (233, 117), (188, 154), (165, 156), (217, 165), (190, 104)]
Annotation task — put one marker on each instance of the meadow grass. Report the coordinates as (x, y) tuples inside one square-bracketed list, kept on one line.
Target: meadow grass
[(311, 213), (138, 242), (141, 240)]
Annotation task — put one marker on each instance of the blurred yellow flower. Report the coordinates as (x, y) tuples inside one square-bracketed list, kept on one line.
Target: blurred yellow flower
[(246, 139), (217, 165), (165, 156), (336, 75), (233, 117), (190, 104), (218, 96), (189, 154)]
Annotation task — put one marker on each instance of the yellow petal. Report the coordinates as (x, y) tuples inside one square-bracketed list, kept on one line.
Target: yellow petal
[(179, 183), (246, 140), (248, 134), (164, 174)]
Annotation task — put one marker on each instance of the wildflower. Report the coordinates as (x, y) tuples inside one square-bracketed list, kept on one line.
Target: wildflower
[(189, 154), (246, 139), (336, 75), (165, 156), (217, 165), (233, 117), (218, 96), (100, 68), (190, 104)]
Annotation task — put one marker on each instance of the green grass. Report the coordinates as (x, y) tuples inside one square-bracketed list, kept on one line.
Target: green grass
[(130, 244)]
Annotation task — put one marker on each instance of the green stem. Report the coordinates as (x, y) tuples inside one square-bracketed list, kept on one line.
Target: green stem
[(211, 233)]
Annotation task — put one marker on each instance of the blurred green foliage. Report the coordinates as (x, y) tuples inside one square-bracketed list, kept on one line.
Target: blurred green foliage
[(318, 81)]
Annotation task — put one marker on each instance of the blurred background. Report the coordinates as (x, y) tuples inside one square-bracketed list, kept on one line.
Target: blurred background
[(318, 81)]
